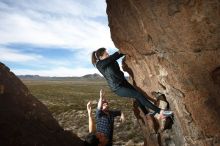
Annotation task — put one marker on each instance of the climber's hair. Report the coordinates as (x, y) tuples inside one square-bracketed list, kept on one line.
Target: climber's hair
[(96, 54), (91, 140)]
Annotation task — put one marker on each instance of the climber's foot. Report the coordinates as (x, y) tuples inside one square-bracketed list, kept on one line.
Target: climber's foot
[(166, 113), (163, 114)]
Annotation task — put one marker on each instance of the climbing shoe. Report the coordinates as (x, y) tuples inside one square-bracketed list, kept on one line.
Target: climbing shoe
[(167, 113)]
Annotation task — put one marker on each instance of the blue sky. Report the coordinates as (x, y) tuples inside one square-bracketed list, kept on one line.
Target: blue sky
[(52, 37)]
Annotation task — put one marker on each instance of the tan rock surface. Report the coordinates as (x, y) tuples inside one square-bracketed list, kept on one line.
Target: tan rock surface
[(173, 47)]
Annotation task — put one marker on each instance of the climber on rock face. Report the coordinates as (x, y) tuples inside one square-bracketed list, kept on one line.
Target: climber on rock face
[(102, 134), (109, 68)]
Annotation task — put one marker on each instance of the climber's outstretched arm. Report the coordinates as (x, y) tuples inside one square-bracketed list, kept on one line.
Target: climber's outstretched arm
[(91, 120)]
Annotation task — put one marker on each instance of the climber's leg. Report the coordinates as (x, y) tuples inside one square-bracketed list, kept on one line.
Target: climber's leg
[(142, 107), (124, 91)]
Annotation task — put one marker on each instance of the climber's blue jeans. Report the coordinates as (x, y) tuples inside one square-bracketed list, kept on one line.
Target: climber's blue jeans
[(127, 90)]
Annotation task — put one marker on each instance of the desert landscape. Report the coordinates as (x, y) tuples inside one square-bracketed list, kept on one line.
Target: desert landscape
[(67, 98)]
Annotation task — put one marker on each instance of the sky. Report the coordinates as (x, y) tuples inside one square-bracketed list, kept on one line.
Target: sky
[(52, 37)]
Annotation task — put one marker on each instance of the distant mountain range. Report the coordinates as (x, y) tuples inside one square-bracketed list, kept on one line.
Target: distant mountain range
[(92, 76), (37, 77)]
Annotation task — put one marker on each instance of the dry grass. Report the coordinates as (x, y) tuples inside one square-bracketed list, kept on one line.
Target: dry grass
[(67, 102)]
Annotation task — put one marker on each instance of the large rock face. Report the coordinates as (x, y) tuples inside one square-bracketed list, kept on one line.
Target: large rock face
[(25, 121), (173, 47)]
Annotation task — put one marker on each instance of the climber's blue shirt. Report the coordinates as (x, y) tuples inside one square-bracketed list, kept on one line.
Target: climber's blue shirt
[(105, 122)]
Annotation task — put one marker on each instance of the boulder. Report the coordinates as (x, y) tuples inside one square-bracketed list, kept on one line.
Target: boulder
[(172, 47), (24, 120)]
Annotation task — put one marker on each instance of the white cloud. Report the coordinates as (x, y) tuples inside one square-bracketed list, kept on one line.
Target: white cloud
[(15, 56), (66, 24), (48, 67), (58, 72)]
